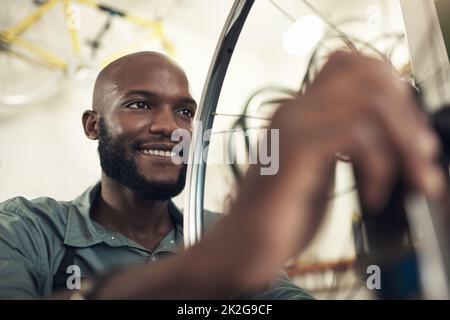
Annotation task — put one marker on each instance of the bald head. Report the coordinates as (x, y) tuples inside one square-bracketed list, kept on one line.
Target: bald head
[(139, 101), (131, 68)]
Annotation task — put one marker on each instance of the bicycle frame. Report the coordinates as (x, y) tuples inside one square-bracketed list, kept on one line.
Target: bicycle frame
[(12, 35)]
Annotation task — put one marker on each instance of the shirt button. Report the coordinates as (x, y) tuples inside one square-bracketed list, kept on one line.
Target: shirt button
[(171, 241), (153, 258), (112, 238)]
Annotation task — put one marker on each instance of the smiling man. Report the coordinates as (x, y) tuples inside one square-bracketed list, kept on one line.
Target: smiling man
[(138, 101), (47, 246), (122, 238)]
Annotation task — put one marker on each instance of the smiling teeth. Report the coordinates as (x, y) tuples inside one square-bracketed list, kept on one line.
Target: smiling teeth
[(160, 153)]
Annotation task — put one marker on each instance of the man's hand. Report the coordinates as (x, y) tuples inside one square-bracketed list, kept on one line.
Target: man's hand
[(357, 105)]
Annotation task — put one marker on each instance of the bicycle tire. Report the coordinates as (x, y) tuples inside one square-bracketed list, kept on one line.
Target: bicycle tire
[(26, 79)]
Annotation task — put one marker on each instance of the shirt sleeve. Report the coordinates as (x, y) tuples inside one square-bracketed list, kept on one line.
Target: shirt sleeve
[(20, 254), (281, 288)]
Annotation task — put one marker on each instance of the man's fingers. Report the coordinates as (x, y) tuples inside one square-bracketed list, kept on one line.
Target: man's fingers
[(414, 141), (359, 91), (376, 164)]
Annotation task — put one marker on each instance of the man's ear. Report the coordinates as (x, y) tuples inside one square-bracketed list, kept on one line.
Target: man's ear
[(91, 124)]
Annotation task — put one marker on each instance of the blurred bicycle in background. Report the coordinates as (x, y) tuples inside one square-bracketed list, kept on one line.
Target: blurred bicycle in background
[(44, 42)]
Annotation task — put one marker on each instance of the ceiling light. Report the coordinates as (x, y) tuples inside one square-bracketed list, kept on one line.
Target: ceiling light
[(303, 35)]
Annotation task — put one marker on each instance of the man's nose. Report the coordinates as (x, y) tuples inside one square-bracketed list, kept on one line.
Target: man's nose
[(163, 121)]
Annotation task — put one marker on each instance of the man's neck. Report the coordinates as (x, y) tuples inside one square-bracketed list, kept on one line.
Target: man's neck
[(119, 209)]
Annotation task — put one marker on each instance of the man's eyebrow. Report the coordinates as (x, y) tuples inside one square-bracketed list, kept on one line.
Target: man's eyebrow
[(140, 92), (187, 100), (184, 100)]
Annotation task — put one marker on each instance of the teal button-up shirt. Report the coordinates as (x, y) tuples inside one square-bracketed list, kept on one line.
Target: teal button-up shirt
[(34, 235)]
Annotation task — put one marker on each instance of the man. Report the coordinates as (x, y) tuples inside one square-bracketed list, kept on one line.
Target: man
[(138, 102), (354, 106)]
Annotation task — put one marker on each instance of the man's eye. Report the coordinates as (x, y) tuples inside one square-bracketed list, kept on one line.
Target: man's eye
[(139, 105), (186, 112)]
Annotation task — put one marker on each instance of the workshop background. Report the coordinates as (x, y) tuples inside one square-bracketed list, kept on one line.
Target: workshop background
[(43, 93)]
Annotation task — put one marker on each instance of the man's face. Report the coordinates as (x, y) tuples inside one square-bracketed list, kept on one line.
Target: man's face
[(148, 101)]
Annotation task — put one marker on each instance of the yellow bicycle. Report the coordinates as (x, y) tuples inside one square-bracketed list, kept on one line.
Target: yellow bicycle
[(40, 47)]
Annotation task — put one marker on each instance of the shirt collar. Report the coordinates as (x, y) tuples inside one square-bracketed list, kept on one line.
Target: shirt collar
[(81, 231)]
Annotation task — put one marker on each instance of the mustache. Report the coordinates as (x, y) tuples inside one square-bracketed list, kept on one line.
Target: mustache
[(140, 142), (162, 142)]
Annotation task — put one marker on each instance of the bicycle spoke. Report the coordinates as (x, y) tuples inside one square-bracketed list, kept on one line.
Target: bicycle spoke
[(282, 11), (239, 116)]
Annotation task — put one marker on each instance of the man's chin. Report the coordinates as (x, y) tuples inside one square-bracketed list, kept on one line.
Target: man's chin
[(159, 189), (163, 172), (165, 180)]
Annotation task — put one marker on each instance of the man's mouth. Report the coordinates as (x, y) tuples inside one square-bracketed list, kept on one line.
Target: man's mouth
[(161, 150), (158, 152)]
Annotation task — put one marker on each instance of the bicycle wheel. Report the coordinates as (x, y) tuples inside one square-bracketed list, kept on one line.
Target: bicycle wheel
[(33, 62), (380, 228)]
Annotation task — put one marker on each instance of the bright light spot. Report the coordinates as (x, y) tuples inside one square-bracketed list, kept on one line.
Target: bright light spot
[(303, 35)]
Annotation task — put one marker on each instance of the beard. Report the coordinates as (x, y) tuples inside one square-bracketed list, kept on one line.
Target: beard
[(117, 166)]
